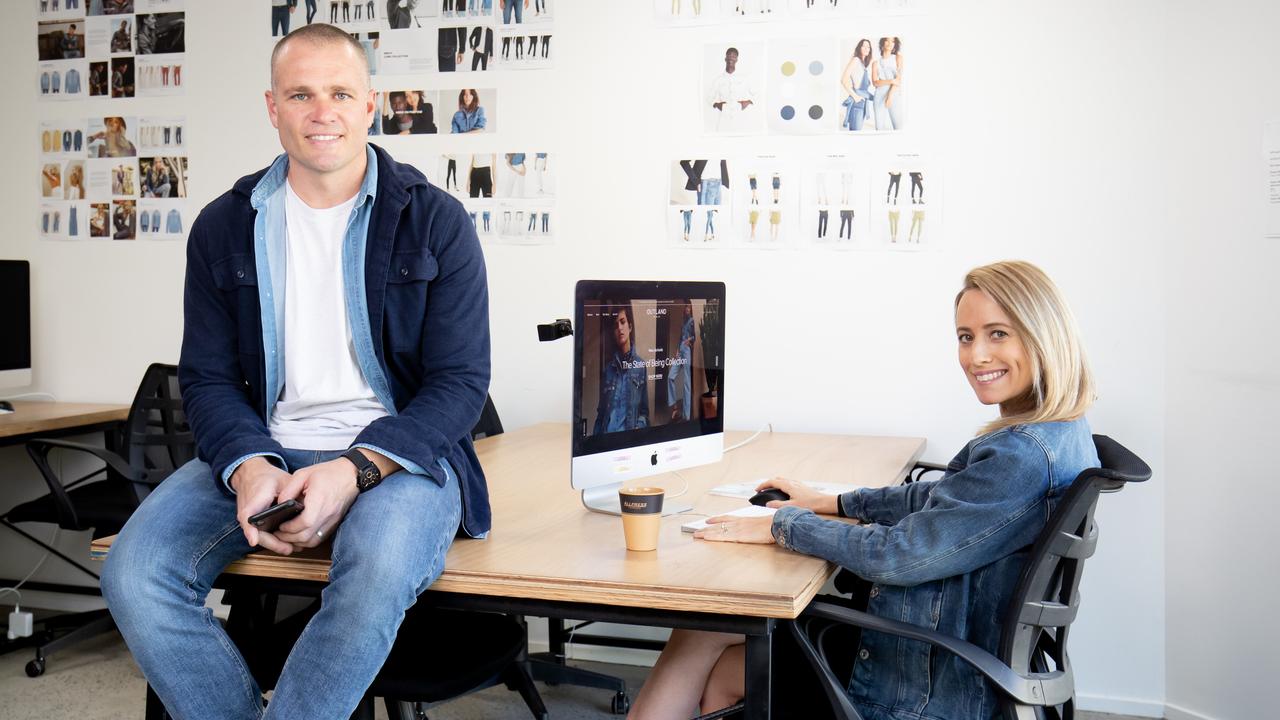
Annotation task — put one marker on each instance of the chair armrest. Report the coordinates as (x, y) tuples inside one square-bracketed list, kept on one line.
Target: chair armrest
[(921, 467), (39, 449), (1028, 690)]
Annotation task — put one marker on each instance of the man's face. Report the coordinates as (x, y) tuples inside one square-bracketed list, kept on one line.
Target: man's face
[(321, 104), (730, 61), (622, 331)]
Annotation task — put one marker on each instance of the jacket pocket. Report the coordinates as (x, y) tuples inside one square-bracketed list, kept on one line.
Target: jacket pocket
[(410, 276), (236, 277)]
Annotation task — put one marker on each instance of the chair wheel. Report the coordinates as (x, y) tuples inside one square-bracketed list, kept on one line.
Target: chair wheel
[(621, 704), (35, 668)]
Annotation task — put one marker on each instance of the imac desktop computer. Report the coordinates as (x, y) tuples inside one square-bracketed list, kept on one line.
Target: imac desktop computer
[(15, 324), (648, 383)]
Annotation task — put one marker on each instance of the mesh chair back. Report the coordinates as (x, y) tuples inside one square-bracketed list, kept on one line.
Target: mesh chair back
[(1047, 596), (157, 438)]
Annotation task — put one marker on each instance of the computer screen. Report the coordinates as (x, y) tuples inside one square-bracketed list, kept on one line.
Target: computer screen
[(15, 323), (648, 389)]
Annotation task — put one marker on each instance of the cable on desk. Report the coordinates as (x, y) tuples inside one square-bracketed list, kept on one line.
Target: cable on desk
[(769, 426), (683, 490), (24, 396)]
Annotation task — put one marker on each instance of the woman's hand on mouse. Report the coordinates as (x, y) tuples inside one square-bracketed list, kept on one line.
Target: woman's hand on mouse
[(801, 496), (728, 528)]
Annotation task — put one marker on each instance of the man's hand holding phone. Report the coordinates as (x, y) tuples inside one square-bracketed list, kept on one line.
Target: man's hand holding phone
[(257, 484)]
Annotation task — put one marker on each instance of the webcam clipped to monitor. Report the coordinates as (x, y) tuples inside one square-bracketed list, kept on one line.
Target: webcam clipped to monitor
[(648, 385)]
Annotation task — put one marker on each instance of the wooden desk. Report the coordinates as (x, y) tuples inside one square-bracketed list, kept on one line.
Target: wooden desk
[(58, 419), (549, 556), (54, 419)]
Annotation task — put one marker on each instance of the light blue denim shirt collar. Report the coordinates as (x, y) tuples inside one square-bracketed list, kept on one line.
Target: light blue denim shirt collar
[(270, 235)]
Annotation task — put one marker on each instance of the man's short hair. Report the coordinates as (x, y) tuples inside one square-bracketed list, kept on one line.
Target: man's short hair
[(321, 34)]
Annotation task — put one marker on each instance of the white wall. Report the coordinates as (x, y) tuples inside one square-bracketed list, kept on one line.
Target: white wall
[(1223, 380), (1051, 120)]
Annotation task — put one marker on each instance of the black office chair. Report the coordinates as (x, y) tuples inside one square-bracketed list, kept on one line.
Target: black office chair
[(155, 441), (438, 654), (1032, 669)]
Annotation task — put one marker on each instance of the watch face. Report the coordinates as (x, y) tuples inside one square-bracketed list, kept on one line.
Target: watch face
[(367, 478)]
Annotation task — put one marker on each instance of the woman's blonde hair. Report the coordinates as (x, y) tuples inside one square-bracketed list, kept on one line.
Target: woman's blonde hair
[(1062, 384)]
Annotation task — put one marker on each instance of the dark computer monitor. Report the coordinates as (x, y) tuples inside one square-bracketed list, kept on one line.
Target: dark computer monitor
[(15, 323), (648, 385)]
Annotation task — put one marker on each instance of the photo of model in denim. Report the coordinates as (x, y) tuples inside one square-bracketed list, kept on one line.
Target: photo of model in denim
[(704, 183), (624, 383), (871, 85), (943, 554), (470, 116)]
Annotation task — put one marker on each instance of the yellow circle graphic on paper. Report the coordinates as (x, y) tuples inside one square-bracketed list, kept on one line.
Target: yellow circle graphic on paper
[(788, 68)]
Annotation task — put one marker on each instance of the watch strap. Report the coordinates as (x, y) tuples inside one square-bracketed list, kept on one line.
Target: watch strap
[(367, 474)]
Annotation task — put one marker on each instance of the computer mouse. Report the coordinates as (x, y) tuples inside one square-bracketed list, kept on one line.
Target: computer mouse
[(6, 406), (765, 496)]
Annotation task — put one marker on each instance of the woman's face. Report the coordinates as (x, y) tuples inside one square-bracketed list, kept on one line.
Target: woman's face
[(622, 331), (992, 355), (863, 50), (886, 46), (114, 124), (468, 97)]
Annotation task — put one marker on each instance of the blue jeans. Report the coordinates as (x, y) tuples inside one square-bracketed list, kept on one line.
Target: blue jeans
[(709, 192), (674, 382), (280, 20), (389, 548), (508, 6), (688, 216)]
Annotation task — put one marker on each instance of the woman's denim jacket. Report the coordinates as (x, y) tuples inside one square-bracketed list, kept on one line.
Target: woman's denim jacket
[(624, 394), (944, 555)]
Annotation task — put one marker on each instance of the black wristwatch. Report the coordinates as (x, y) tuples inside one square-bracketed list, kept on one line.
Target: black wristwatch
[(367, 474)]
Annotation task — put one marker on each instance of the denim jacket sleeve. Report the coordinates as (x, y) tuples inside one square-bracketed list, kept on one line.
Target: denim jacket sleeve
[(214, 396), (886, 506), (993, 506), (455, 362)]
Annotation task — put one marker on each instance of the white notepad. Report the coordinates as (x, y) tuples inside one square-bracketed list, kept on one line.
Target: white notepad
[(748, 511)]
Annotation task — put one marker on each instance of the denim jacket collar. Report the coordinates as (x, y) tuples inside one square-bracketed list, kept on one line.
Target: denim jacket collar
[(270, 256)]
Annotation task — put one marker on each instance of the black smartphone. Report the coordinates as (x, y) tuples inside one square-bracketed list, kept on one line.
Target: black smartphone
[(271, 518)]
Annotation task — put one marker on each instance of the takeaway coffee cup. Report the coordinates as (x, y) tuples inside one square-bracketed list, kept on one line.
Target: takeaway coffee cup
[(641, 516)]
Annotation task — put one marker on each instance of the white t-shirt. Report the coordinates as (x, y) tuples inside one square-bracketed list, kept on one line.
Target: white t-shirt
[(326, 400)]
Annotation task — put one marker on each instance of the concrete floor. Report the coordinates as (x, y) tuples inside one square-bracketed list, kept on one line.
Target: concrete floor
[(99, 681)]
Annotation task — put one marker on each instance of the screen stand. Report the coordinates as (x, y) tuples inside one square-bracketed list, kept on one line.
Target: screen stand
[(604, 499)]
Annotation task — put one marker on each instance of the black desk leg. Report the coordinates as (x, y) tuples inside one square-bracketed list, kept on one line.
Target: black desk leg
[(759, 675)]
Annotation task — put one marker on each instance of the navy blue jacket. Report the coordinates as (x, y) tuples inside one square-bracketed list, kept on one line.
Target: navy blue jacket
[(428, 308)]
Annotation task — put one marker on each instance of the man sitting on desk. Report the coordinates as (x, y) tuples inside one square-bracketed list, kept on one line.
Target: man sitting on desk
[(336, 350)]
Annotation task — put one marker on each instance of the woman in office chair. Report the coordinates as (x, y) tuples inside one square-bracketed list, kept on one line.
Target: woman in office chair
[(944, 554)]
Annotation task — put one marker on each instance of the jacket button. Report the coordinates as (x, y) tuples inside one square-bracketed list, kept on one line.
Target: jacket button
[(404, 271), (240, 274), (863, 654), (875, 590)]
